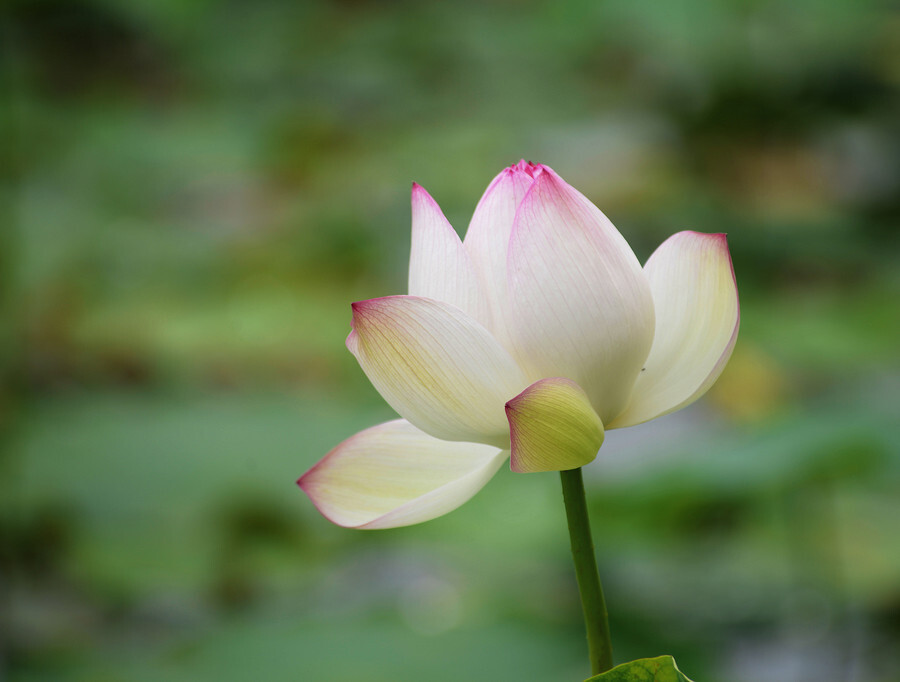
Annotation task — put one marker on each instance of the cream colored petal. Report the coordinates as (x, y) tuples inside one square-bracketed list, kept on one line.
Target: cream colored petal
[(697, 320), (394, 475), (439, 266), (553, 427), (487, 239), (436, 366), (581, 304)]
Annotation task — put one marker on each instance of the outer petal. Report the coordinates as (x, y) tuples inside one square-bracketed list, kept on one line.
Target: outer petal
[(553, 427), (697, 320), (487, 239), (582, 306), (439, 266), (436, 366), (394, 475)]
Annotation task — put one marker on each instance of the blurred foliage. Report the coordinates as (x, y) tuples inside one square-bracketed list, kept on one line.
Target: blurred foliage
[(191, 194)]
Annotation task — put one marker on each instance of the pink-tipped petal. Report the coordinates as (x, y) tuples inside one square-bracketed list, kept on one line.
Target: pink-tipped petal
[(436, 366), (581, 304), (553, 427), (487, 239), (439, 266), (697, 320), (394, 475)]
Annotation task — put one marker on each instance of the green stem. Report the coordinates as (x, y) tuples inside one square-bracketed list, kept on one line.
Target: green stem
[(593, 604)]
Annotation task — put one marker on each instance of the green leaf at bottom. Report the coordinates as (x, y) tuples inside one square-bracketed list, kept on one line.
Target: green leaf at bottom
[(661, 669)]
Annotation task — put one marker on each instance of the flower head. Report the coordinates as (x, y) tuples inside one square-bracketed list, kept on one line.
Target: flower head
[(525, 340)]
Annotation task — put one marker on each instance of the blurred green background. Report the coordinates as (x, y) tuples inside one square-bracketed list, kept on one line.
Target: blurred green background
[(194, 192)]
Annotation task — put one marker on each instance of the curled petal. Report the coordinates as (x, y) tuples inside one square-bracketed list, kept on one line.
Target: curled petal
[(487, 239), (436, 366), (553, 427), (697, 320), (439, 266), (581, 304), (394, 475)]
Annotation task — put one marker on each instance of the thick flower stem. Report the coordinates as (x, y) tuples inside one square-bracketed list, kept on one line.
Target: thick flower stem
[(592, 602)]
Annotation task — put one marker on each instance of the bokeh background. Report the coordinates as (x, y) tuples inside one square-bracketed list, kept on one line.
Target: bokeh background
[(194, 192)]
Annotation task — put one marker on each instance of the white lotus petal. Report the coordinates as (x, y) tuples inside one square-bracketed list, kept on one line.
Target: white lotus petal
[(439, 266), (581, 304), (394, 475), (553, 427), (487, 239), (436, 366), (697, 320)]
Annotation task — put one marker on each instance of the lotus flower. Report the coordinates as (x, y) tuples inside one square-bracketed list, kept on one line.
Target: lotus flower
[(524, 341)]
